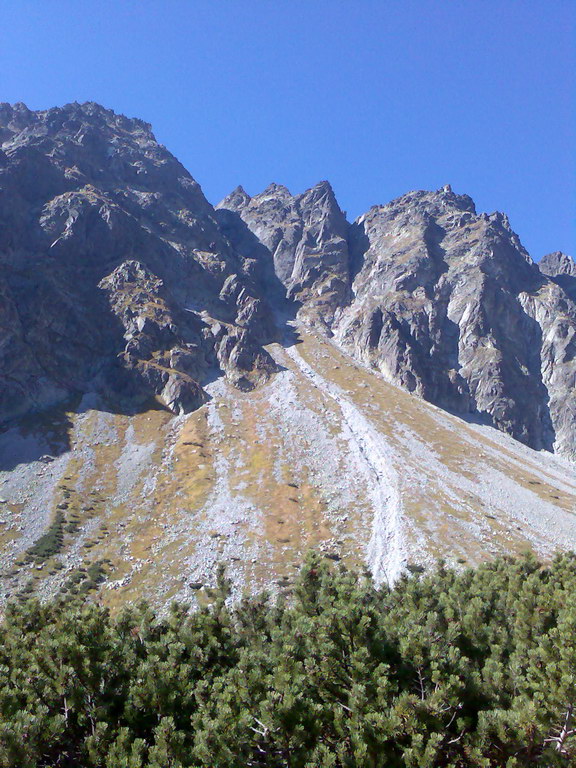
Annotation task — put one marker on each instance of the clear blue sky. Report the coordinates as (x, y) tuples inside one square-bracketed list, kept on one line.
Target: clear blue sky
[(378, 96)]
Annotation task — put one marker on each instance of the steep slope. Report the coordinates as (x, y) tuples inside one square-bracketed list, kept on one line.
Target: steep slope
[(305, 236), (441, 300), (327, 454), (115, 276)]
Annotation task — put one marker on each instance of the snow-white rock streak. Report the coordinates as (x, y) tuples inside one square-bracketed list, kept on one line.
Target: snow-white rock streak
[(386, 552)]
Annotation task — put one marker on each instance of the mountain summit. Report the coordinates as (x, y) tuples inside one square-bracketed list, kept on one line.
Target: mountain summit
[(115, 276)]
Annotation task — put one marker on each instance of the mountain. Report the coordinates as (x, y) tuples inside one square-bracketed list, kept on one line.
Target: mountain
[(182, 384), (108, 250), (441, 300)]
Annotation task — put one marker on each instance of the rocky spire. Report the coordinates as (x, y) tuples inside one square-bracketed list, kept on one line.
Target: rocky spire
[(236, 200), (557, 263)]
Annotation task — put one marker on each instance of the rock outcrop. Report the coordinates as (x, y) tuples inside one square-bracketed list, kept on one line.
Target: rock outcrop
[(116, 276), (305, 236), (561, 269), (557, 263), (443, 301)]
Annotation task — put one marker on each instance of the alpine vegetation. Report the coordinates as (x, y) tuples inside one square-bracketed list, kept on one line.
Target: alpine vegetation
[(444, 670)]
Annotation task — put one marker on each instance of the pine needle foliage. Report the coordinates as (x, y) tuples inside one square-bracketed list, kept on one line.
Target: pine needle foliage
[(445, 670), (50, 543)]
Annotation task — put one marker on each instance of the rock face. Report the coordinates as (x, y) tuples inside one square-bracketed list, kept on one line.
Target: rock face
[(441, 300), (118, 277), (115, 276), (557, 263), (449, 304), (561, 268), (306, 238)]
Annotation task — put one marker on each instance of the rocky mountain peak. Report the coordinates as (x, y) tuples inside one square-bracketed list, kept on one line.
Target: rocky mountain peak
[(442, 300), (22, 126), (116, 276), (557, 263), (429, 203), (561, 269), (119, 277), (276, 191), (321, 189), (237, 199), (89, 144), (306, 240), (321, 196), (460, 202)]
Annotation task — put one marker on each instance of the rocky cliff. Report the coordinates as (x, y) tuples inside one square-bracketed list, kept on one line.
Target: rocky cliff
[(306, 237), (449, 304), (115, 276), (118, 277), (443, 301)]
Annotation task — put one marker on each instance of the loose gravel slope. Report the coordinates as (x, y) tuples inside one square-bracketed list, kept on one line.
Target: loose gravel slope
[(326, 455)]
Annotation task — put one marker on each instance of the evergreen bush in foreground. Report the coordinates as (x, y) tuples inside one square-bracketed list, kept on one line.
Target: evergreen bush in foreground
[(446, 669)]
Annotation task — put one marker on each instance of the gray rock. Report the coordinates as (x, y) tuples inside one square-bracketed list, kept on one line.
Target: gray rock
[(114, 268), (561, 269), (443, 301), (557, 263), (305, 236), (448, 304), (118, 277)]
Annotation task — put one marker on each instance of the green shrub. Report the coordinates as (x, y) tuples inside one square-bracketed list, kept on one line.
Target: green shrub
[(50, 543), (446, 670)]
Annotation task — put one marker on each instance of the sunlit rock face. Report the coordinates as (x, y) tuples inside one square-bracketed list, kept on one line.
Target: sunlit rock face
[(557, 264), (448, 304), (305, 236), (115, 275), (443, 301)]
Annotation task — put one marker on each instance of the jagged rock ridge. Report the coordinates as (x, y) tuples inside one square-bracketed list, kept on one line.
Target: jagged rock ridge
[(441, 300), (119, 277), (306, 237)]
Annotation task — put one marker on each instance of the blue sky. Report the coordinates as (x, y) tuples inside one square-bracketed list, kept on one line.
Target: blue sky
[(377, 96)]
